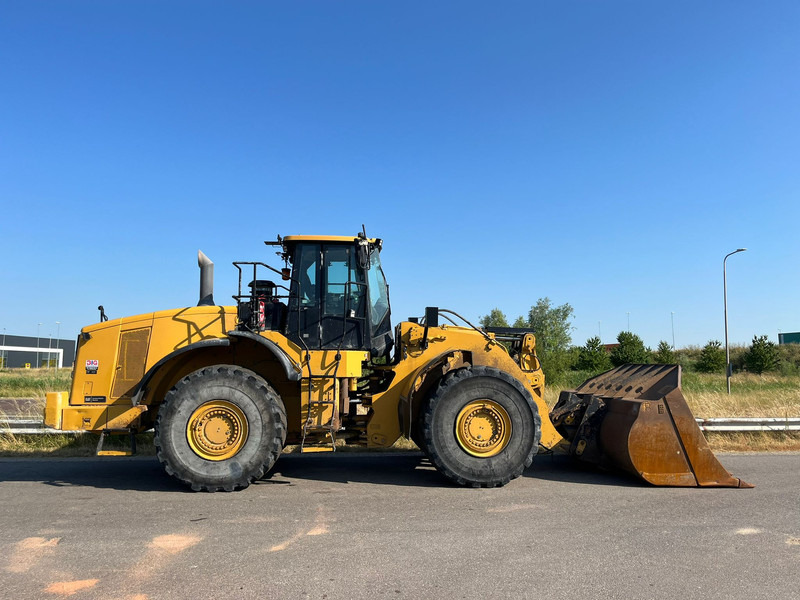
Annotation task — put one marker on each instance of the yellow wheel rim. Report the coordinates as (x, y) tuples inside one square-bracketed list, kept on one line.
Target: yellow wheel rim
[(483, 428), (217, 430)]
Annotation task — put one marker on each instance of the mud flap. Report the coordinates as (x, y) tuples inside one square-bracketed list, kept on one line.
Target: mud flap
[(635, 418)]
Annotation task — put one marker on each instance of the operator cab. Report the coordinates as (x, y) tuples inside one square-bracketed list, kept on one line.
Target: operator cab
[(338, 298)]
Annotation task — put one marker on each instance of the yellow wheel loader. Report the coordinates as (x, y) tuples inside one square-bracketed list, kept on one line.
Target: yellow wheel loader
[(308, 357)]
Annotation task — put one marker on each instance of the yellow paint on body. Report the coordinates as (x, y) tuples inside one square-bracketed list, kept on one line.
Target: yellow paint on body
[(384, 428)]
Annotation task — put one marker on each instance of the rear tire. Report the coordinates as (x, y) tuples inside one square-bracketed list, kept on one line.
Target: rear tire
[(480, 427), (220, 428)]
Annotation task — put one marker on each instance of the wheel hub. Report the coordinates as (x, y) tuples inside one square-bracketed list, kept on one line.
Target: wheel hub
[(217, 430), (483, 428)]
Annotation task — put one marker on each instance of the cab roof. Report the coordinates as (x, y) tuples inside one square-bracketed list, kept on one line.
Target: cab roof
[(326, 239), (323, 238), (290, 240)]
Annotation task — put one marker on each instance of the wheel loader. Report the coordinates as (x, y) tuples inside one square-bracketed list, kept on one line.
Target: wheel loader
[(307, 356)]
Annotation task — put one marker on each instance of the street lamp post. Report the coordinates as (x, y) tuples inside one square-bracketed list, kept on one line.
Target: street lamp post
[(725, 301), (629, 321), (58, 335), (672, 320), (38, 327), (3, 354)]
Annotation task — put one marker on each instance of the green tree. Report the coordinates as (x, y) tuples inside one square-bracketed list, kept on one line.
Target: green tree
[(520, 323), (630, 349), (496, 318), (593, 356), (712, 358), (762, 355), (664, 354), (551, 326)]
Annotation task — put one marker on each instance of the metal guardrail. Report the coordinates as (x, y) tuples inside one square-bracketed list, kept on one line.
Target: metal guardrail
[(741, 424), (27, 426), (31, 426)]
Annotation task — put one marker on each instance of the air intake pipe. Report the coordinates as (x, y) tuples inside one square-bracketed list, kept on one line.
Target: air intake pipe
[(206, 279)]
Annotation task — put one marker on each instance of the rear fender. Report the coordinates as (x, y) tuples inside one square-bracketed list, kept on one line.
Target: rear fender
[(141, 387), (241, 348)]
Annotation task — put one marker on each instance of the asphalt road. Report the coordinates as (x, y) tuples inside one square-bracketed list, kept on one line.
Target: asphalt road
[(387, 526)]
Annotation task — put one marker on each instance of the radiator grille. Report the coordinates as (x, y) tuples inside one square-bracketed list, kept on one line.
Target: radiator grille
[(131, 361)]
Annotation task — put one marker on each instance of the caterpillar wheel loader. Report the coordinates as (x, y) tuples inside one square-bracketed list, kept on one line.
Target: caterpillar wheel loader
[(308, 357)]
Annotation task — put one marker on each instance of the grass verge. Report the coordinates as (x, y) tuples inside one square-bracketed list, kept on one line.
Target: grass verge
[(33, 383), (69, 444)]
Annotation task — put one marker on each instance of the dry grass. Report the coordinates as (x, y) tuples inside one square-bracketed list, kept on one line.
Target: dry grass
[(69, 444), (751, 395), (757, 441), (783, 404)]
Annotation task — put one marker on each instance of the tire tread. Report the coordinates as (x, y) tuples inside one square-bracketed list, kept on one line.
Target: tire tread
[(274, 404), (446, 385)]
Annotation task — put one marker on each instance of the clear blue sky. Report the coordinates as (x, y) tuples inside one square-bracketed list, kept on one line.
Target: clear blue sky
[(605, 154)]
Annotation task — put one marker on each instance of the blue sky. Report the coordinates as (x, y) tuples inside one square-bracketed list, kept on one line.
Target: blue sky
[(604, 154)]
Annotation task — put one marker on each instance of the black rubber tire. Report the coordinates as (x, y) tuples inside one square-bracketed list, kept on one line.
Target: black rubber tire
[(416, 433), (456, 390), (261, 405)]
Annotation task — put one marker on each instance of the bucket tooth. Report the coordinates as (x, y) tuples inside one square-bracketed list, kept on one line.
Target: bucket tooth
[(635, 418)]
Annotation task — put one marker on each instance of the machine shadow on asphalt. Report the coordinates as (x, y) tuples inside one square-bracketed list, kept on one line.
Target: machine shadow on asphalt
[(552, 466), (410, 469), (414, 470), (142, 474)]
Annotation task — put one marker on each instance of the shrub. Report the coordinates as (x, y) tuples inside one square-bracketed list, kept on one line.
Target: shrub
[(593, 356), (664, 354), (789, 355), (630, 350), (712, 358), (762, 355)]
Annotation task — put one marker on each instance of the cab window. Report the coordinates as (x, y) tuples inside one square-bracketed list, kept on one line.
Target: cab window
[(378, 291)]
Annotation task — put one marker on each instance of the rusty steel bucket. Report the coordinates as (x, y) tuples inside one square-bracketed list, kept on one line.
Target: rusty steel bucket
[(635, 418)]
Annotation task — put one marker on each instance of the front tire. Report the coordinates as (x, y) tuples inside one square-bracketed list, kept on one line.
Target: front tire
[(220, 428), (481, 427)]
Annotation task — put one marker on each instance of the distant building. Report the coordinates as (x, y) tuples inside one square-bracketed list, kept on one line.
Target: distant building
[(789, 338), (17, 351)]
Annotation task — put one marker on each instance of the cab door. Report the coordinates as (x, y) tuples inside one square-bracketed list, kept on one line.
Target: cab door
[(344, 293), (328, 300)]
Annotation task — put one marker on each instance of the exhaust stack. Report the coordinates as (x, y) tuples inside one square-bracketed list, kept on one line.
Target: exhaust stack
[(206, 279)]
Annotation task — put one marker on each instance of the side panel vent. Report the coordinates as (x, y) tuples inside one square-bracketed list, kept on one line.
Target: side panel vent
[(131, 361)]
